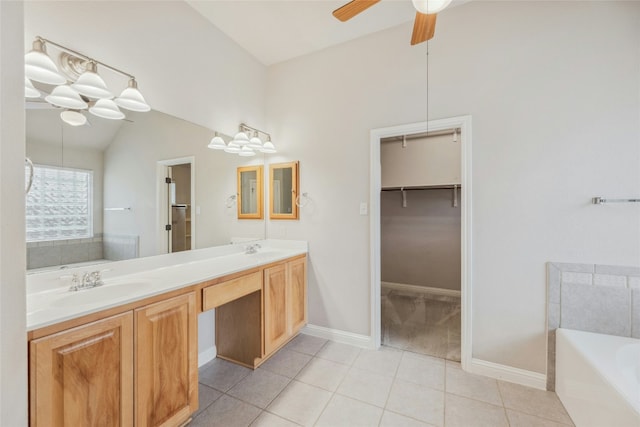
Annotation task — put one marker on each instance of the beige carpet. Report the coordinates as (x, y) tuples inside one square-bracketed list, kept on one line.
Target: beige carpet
[(421, 322)]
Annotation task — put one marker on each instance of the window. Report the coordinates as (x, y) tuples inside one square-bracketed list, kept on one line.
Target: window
[(59, 205)]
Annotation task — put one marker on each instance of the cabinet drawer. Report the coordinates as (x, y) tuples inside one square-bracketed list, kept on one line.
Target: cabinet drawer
[(222, 293)]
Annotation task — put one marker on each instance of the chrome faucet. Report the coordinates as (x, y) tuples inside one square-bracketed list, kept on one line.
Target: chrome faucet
[(252, 249), (90, 279)]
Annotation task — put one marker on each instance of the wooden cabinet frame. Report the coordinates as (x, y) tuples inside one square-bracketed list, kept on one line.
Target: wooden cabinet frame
[(295, 184), (86, 366), (133, 334), (259, 198)]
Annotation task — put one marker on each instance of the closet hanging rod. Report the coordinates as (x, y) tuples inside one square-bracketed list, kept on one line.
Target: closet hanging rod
[(421, 135), (602, 200), (423, 187)]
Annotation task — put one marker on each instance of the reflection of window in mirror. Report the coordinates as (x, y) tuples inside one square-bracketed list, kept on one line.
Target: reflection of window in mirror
[(250, 192), (59, 204), (283, 190)]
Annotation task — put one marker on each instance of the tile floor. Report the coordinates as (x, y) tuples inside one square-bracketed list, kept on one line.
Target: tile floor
[(314, 382), (421, 322)]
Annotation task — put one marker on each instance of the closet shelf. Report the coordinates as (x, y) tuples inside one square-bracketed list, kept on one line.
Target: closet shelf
[(423, 187)]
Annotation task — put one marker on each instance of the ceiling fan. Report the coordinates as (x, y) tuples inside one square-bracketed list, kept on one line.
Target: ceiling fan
[(424, 25)]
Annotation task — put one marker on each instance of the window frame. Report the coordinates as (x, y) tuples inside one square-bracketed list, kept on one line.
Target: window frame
[(90, 204)]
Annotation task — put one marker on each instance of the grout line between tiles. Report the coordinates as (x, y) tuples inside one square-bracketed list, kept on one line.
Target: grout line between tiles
[(504, 408), (448, 365)]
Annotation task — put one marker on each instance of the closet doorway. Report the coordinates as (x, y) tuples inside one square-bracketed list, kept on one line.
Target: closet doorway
[(420, 233), (176, 205)]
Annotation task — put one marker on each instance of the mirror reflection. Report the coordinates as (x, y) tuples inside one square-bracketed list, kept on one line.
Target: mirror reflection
[(250, 192), (119, 189), (283, 190)]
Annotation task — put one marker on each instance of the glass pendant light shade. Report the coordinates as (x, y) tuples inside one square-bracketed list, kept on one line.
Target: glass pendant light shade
[(232, 148), (107, 109), (40, 68), (255, 142), (217, 143), (246, 152), (241, 138), (268, 147), (430, 6), (29, 90), (132, 99), (65, 97), (90, 84), (73, 118)]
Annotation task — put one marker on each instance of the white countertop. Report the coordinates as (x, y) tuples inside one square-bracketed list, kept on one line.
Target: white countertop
[(49, 301)]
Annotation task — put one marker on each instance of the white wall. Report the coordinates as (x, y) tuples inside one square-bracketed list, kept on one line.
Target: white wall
[(184, 66), (130, 180), (420, 243), (13, 336), (553, 90), (435, 160)]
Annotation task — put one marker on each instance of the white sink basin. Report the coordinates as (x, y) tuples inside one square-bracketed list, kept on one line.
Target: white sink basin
[(102, 293), (266, 252)]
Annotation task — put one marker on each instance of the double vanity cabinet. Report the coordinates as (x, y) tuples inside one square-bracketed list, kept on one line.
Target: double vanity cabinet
[(136, 364)]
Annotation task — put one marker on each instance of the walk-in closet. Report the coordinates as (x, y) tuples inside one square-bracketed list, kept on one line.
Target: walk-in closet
[(420, 211)]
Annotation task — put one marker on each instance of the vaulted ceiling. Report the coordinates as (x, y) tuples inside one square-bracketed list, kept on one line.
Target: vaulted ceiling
[(277, 30)]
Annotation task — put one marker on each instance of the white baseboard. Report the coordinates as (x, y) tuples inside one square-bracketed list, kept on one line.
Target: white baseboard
[(207, 355), (356, 340), (508, 373), (476, 366), (423, 289)]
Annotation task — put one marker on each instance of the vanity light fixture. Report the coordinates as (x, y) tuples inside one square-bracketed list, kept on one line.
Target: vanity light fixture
[(87, 89), (268, 147), (241, 138), (217, 143), (30, 90), (132, 99), (73, 117), (232, 148), (242, 145), (39, 67), (107, 109), (255, 142), (65, 97), (246, 152), (91, 85)]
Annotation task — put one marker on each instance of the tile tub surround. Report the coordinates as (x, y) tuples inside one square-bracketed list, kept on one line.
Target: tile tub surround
[(344, 386), (590, 297), (59, 252), (74, 251), (120, 247)]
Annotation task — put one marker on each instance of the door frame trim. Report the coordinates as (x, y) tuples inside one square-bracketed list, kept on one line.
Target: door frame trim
[(162, 201), (464, 123)]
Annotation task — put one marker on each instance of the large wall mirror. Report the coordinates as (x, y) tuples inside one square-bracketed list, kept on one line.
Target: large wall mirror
[(283, 190), (101, 194), (250, 199)]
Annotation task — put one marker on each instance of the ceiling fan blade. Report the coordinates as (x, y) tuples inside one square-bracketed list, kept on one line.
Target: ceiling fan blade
[(353, 8), (424, 27)]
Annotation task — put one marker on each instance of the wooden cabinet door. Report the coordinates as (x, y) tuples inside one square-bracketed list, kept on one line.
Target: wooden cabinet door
[(276, 325), (297, 294), (84, 376), (166, 362)]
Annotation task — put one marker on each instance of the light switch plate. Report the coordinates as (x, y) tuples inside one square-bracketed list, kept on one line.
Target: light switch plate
[(364, 210)]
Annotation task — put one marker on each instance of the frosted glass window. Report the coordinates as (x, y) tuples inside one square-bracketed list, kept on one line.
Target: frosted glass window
[(59, 205)]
